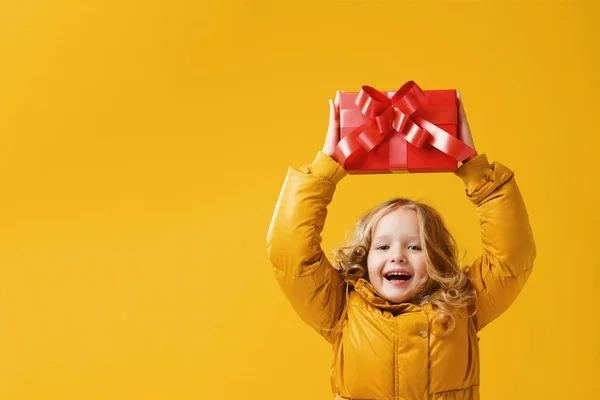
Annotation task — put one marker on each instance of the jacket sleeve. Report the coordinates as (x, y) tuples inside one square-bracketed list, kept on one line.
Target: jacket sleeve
[(314, 288), (508, 246)]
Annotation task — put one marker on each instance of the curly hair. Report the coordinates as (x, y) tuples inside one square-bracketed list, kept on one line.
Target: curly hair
[(449, 290)]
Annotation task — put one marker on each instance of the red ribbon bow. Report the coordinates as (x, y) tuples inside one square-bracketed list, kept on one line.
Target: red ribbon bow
[(386, 117)]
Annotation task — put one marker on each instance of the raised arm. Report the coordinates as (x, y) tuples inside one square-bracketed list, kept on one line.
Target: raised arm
[(312, 285), (508, 246)]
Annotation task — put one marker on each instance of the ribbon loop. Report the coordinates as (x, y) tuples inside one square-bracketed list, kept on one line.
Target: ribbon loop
[(409, 98), (372, 102)]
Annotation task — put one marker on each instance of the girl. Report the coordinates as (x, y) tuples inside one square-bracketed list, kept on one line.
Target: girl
[(401, 315)]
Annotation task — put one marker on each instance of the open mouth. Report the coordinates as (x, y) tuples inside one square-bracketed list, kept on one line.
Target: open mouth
[(397, 277)]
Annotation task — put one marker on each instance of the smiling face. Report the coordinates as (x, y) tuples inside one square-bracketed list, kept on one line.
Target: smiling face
[(396, 262)]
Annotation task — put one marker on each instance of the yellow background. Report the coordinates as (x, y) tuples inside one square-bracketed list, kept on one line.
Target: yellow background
[(142, 149)]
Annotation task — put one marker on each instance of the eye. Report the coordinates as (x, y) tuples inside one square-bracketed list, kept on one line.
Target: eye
[(383, 247), (413, 247)]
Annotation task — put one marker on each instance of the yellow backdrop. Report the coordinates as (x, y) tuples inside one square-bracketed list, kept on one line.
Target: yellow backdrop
[(142, 149)]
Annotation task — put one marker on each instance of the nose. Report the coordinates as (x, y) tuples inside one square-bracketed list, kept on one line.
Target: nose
[(398, 256)]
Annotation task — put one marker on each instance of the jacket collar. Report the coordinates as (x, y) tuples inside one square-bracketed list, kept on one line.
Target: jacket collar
[(366, 290)]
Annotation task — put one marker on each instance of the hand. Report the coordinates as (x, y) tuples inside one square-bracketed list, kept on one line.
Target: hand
[(464, 132), (333, 131)]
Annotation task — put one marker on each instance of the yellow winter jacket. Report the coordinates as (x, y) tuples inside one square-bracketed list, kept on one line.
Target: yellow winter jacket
[(391, 351)]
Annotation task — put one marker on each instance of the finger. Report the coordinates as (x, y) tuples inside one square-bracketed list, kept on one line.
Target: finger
[(333, 115), (334, 123), (331, 138), (462, 116), (461, 109), (464, 131), (331, 109)]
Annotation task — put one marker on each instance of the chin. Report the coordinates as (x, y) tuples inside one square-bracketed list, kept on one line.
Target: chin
[(397, 298), (400, 300)]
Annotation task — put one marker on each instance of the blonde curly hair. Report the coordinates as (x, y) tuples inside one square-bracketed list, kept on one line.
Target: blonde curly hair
[(449, 290)]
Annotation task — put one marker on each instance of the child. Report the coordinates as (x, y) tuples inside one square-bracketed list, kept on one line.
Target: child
[(400, 313)]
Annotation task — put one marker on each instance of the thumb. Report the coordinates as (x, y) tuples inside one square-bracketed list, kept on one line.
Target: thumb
[(332, 138)]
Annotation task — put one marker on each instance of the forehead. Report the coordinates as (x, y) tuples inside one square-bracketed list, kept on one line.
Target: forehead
[(401, 221)]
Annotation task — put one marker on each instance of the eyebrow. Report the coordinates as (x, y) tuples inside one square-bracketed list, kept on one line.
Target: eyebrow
[(384, 237)]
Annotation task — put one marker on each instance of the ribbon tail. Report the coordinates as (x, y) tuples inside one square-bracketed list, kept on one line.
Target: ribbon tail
[(445, 142), (349, 153)]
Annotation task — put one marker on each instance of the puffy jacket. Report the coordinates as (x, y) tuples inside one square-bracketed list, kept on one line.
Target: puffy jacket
[(395, 351)]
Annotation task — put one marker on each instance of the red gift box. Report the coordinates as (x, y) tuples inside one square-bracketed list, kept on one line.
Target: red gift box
[(409, 130)]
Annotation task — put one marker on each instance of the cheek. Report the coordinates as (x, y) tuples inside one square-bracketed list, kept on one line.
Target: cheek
[(421, 267), (372, 266)]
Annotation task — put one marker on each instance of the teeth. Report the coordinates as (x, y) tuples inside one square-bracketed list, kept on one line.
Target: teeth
[(397, 274)]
